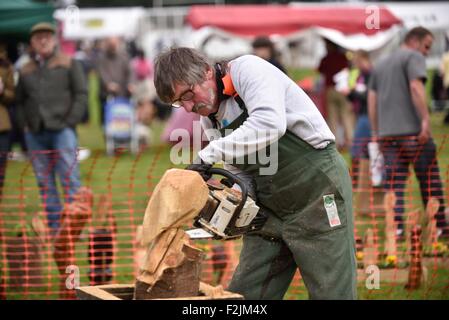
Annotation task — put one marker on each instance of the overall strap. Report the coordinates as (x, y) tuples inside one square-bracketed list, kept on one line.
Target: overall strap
[(225, 90), (237, 122)]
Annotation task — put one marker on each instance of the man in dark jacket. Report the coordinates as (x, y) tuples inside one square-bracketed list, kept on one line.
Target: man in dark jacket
[(51, 100), (304, 185)]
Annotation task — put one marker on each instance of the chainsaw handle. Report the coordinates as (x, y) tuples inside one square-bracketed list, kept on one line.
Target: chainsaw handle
[(235, 179)]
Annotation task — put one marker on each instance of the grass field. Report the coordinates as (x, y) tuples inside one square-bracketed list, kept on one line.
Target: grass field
[(129, 180)]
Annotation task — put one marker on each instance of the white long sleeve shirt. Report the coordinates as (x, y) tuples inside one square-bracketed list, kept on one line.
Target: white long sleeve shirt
[(274, 102)]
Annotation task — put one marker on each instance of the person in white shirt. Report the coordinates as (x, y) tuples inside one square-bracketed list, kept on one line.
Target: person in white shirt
[(266, 129)]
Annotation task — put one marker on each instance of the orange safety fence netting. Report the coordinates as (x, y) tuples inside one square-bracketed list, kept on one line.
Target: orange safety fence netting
[(98, 239)]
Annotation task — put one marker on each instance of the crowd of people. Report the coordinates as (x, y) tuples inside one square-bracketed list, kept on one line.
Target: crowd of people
[(405, 136), (312, 232), (386, 103)]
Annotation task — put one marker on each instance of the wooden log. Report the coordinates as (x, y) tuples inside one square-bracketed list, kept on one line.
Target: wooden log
[(102, 237), (139, 251), (40, 228), (103, 216), (101, 256), (74, 218), (390, 224), (168, 247), (430, 237), (24, 262), (367, 199), (413, 218), (181, 280), (415, 270), (171, 268), (370, 252), (363, 187), (177, 199)]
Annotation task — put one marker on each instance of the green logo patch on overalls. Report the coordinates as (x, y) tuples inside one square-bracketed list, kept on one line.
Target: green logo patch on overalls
[(331, 210)]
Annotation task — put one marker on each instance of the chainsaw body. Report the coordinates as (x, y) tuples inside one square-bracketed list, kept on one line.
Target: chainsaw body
[(228, 213)]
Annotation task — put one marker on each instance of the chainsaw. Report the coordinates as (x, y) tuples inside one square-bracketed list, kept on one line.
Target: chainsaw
[(228, 213)]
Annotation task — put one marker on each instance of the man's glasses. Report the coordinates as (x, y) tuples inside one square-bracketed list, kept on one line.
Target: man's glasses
[(184, 97)]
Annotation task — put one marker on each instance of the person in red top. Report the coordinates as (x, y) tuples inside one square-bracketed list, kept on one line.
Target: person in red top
[(338, 109)]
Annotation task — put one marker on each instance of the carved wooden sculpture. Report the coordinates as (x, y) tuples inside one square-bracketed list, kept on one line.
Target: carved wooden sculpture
[(74, 218), (416, 270), (390, 224), (171, 267), (101, 242), (370, 251), (433, 205)]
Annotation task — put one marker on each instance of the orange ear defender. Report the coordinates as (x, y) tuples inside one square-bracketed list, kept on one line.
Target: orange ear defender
[(228, 86)]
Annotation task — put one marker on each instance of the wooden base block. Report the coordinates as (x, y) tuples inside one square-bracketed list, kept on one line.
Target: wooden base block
[(386, 275), (415, 276), (126, 292), (23, 254)]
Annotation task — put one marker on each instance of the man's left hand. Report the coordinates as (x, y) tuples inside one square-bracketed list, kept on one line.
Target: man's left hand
[(424, 135)]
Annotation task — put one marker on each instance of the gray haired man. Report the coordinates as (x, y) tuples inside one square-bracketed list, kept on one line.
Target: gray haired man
[(308, 198)]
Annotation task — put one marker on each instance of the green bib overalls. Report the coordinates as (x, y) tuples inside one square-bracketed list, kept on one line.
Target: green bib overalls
[(298, 231)]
